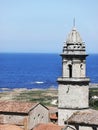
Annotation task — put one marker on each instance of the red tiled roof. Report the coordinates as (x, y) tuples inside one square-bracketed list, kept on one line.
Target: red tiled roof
[(53, 116), (14, 106), (10, 127), (49, 126), (85, 117)]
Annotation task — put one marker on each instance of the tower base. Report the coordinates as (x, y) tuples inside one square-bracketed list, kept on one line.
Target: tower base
[(64, 114)]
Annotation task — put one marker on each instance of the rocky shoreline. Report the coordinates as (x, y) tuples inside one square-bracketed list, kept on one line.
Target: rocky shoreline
[(91, 85)]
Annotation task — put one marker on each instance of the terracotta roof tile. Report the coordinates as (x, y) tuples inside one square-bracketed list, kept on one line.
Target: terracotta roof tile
[(53, 116), (14, 106), (86, 117), (49, 126), (10, 127)]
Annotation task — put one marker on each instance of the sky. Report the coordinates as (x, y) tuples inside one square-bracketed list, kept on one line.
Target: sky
[(42, 26)]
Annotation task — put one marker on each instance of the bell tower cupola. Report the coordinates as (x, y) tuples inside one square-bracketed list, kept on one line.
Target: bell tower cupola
[(74, 55)]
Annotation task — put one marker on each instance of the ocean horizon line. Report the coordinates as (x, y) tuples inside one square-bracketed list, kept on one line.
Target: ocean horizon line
[(39, 53)]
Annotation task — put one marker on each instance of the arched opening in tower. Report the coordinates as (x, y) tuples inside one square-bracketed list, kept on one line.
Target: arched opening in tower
[(70, 71)]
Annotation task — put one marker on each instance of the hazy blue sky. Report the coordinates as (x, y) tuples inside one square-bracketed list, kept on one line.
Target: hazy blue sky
[(43, 25)]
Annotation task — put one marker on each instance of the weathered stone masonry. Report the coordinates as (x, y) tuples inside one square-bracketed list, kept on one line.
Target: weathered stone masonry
[(73, 86)]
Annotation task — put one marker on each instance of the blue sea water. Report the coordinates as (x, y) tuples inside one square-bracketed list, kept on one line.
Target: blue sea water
[(37, 70)]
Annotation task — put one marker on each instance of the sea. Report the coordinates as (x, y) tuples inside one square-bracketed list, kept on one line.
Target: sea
[(37, 70)]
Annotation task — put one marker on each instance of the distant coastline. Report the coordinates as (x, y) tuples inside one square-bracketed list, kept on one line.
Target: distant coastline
[(45, 96), (91, 85)]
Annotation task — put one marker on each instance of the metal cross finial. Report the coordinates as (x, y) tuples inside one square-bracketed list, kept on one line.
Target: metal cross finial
[(74, 22)]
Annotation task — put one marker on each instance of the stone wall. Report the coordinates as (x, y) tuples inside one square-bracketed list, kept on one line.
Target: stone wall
[(38, 115), (63, 115), (87, 127), (15, 119), (73, 96)]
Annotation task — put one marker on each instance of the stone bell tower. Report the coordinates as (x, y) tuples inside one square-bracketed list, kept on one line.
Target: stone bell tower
[(73, 86)]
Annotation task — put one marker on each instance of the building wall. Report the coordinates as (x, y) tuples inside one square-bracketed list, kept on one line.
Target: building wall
[(78, 68), (83, 69), (13, 119), (73, 96), (63, 115), (65, 70), (85, 128), (38, 115)]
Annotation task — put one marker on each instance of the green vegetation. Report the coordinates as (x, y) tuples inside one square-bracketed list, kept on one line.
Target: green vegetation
[(93, 102), (43, 96)]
